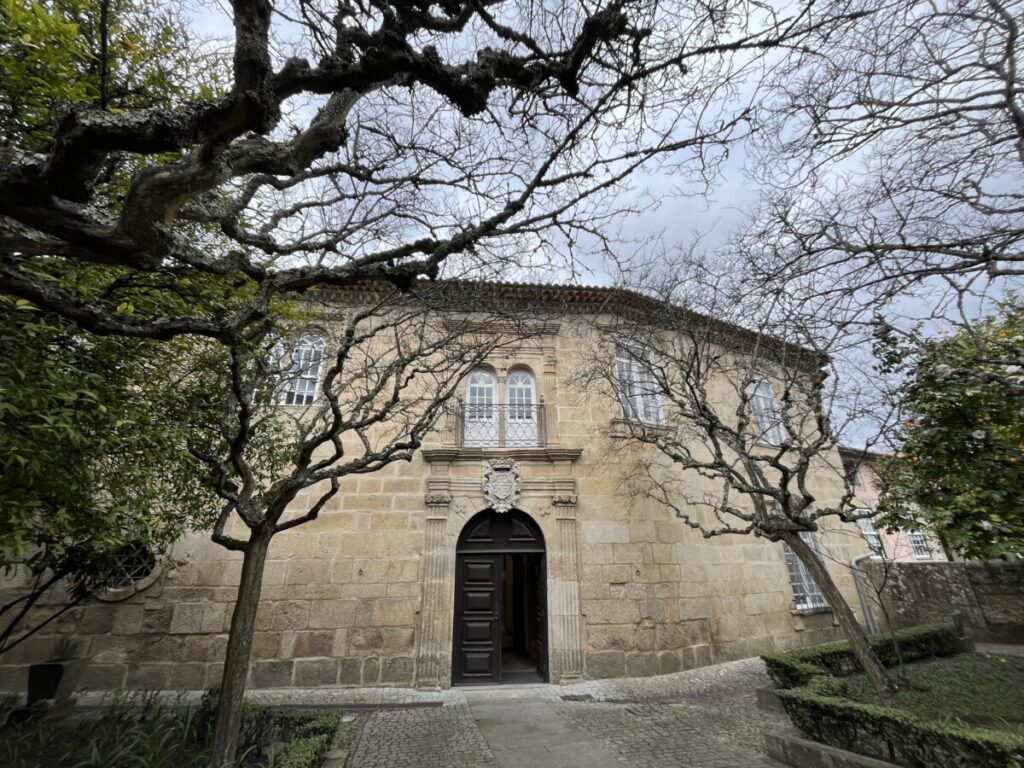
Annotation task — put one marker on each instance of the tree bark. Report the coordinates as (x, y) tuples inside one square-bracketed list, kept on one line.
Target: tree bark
[(855, 635), (239, 650)]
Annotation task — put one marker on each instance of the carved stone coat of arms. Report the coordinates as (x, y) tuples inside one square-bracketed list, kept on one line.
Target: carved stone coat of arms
[(501, 484)]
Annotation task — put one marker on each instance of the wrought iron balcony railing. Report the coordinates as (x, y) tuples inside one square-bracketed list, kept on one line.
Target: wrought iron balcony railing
[(499, 426)]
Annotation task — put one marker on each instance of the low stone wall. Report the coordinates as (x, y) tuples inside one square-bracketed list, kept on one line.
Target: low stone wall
[(989, 598)]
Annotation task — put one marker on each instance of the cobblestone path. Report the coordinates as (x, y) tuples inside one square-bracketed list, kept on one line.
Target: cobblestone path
[(702, 718), (423, 737)]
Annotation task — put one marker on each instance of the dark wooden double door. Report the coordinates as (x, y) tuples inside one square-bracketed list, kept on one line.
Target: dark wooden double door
[(500, 601)]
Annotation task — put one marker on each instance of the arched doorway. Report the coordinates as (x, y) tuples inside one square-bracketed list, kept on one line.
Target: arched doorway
[(501, 620)]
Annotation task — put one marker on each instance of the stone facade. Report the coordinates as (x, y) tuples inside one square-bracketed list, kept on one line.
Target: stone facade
[(364, 595)]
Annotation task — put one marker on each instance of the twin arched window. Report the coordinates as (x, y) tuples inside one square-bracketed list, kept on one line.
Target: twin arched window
[(489, 422)]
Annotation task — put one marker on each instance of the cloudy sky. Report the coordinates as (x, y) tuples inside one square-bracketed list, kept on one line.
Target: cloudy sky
[(673, 213)]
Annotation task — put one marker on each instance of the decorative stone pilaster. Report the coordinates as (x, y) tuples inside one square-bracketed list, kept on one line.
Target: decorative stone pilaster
[(453, 495), (433, 660), (566, 620)]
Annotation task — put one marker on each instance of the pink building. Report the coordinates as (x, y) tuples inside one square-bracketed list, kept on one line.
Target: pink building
[(900, 546)]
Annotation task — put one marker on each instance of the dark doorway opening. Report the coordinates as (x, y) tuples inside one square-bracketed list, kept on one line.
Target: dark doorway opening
[(500, 602), (520, 618)]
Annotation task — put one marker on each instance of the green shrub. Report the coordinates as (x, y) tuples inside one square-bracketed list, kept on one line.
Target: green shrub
[(895, 735), (142, 730), (137, 730), (787, 672), (303, 737), (796, 668), (304, 752), (813, 685)]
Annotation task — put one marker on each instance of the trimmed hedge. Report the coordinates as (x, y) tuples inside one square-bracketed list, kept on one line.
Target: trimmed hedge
[(893, 735), (796, 668), (282, 738), (810, 683), (302, 738)]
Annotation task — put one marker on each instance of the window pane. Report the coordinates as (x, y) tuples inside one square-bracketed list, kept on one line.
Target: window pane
[(627, 385), (519, 398), (807, 598), (480, 419), (638, 388), (766, 413), (919, 545), (871, 536), (303, 374)]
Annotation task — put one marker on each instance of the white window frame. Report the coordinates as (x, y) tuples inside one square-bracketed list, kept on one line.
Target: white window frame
[(480, 415), (765, 410), (807, 597), (871, 536), (521, 425), (520, 394), (920, 547), (302, 378), (638, 389)]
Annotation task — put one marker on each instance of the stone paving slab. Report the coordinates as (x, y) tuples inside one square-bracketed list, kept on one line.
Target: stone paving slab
[(702, 718), (524, 730)]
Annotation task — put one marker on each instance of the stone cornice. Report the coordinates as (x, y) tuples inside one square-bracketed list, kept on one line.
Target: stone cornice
[(475, 455)]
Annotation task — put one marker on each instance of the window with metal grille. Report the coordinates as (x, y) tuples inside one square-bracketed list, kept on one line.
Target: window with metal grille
[(133, 563), (871, 536), (765, 409), (302, 374), (638, 390), (807, 598), (919, 545)]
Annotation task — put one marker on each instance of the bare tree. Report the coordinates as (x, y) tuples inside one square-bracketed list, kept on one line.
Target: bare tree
[(357, 386), (380, 140), (894, 153), (740, 425)]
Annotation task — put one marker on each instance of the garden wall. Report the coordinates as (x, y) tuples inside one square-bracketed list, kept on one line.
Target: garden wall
[(990, 598)]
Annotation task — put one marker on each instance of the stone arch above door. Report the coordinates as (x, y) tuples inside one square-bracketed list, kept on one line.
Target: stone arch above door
[(514, 531)]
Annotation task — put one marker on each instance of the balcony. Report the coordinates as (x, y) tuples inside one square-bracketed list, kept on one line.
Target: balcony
[(499, 426)]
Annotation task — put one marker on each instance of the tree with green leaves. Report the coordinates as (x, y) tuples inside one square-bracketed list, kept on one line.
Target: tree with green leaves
[(94, 458), (960, 461), (93, 450)]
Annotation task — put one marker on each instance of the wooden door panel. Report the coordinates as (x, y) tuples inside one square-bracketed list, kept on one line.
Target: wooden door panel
[(477, 657)]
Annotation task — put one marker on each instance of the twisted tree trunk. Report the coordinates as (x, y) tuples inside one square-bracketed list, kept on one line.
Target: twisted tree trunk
[(855, 635), (239, 650)]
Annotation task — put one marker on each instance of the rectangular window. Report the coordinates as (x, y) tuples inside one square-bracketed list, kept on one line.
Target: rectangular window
[(872, 537), (919, 545), (807, 598), (766, 412), (301, 373), (638, 390)]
